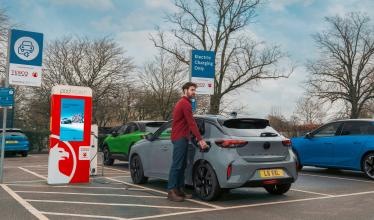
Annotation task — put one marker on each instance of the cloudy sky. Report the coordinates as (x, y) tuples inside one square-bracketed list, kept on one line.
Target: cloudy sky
[(288, 23)]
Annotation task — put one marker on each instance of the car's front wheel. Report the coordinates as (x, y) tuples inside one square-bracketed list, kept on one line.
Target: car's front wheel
[(24, 153), (278, 189), (137, 171), (368, 165), (205, 182), (107, 159)]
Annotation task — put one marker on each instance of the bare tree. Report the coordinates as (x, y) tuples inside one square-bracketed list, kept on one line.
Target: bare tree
[(221, 26), (309, 111), (99, 64), (345, 69), (163, 78)]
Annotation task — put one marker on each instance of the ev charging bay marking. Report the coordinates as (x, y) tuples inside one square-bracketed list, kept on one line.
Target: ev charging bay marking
[(24, 203), (33, 173), (112, 204), (162, 192)]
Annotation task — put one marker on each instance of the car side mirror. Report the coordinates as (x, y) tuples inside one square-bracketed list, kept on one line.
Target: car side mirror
[(149, 137), (114, 133), (308, 135)]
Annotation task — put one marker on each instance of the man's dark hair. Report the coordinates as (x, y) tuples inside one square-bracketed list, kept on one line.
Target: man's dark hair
[(188, 85)]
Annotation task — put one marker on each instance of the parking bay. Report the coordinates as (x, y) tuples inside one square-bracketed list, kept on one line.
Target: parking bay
[(318, 193)]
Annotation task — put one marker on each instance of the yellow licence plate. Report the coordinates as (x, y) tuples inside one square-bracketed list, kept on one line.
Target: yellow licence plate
[(11, 142), (268, 173)]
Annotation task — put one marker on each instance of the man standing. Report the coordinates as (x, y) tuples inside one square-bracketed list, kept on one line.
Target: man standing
[(183, 124)]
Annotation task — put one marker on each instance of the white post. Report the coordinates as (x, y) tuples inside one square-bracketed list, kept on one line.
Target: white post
[(5, 111)]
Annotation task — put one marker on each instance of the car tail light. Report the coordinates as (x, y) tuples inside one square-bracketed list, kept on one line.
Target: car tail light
[(270, 182), (229, 171), (287, 143), (231, 143)]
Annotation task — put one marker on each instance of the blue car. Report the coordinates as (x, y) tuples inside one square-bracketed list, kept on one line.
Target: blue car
[(15, 141), (344, 144)]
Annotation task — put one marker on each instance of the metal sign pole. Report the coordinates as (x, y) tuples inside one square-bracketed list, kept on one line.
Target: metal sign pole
[(5, 111)]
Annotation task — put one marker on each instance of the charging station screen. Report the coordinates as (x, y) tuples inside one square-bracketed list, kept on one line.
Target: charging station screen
[(72, 119)]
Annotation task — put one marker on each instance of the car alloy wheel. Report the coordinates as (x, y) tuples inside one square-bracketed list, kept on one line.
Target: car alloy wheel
[(136, 170), (206, 185), (368, 165), (107, 160)]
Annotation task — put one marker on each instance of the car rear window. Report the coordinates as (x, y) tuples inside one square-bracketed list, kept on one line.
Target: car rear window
[(153, 126), (12, 132), (248, 128)]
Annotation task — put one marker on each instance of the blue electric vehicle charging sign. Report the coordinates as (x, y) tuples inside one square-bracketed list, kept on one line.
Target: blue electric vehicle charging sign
[(203, 71), (25, 58)]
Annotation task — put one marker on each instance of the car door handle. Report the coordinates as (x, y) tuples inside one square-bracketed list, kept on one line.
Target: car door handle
[(355, 142), (164, 148), (327, 143)]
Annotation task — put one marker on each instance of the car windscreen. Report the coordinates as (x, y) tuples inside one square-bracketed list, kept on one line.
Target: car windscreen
[(12, 133), (248, 128), (153, 126)]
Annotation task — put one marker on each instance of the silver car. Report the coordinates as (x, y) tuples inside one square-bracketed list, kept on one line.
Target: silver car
[(243, 152)]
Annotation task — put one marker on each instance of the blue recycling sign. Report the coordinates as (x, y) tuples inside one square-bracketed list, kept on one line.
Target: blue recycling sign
[(202, 64), (26, 48), (6, 97)]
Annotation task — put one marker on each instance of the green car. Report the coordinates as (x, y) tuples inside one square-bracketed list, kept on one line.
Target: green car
[(117, 145)]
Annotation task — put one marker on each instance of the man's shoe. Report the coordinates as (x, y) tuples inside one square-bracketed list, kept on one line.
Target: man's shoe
[(174, 196), (183, 194)]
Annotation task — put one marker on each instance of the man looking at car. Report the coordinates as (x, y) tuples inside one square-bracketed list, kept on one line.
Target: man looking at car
[(183, 124)]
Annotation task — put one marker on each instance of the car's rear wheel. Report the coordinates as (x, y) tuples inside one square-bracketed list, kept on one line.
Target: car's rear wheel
[(137, 171), (368, 165), (205, 182), (24, 153), (107, 159), (278, 189)]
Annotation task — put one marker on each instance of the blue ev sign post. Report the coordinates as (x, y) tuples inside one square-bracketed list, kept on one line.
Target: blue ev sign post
[(25, 58), (202, 70)]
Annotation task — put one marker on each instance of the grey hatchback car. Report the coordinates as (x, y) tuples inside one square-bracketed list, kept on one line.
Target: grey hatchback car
[(243, 152)]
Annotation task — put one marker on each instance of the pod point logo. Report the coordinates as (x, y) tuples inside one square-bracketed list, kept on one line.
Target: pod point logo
[(26, 48), (62, 162)]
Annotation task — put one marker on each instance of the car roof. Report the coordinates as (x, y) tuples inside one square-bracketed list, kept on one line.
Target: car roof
[(145, 122), (358, 119), (224, 118)]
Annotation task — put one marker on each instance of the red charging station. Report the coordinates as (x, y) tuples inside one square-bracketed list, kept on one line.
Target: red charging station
[(70, 125)]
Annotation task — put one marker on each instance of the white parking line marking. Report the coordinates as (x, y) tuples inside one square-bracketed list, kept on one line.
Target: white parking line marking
[(90, 194), (339, 178), (24, 203), (118, 170), (111, 204), (83, 216), (253, 205), (165, 193), (27, 166), (25, 181), (80, 187), (310, 192), (33, 173)]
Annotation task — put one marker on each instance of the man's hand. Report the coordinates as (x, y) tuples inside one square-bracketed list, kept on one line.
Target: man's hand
[(203, 145)]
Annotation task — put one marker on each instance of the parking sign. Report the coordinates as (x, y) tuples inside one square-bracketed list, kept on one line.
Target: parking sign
[(203, 71), (25, 58)]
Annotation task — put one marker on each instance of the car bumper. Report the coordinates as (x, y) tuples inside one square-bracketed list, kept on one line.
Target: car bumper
[(17, 147), (247, 174)]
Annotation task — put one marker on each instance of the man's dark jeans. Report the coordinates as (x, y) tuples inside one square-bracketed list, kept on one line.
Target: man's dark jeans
[(178, 166)]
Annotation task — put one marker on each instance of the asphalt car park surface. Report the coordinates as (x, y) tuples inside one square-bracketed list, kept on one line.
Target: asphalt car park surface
[(317, 194)]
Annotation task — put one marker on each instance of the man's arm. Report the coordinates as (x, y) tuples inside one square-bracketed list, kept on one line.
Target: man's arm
[(187, 112)]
